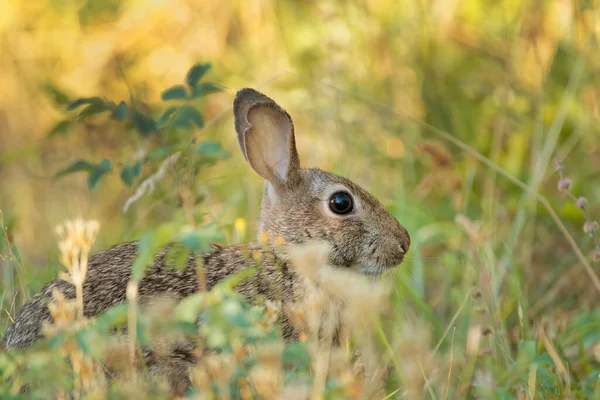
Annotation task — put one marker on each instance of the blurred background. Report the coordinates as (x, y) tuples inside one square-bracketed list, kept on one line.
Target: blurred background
[(375, 87)]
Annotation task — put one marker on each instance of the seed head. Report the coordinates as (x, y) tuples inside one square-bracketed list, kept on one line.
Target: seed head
[(564, 184), (486, 330), (558, 165), (590, 227), (581, 202)]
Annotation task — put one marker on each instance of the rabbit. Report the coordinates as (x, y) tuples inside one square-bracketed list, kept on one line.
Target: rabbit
[(299, 205)]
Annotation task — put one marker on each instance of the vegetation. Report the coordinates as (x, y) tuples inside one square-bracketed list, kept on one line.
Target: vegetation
[(453, 113)]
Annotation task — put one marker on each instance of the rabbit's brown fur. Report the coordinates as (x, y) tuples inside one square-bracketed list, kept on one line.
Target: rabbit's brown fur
[(294, 207)]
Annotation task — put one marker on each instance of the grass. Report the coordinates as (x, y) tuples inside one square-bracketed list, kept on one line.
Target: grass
[(451, 113)]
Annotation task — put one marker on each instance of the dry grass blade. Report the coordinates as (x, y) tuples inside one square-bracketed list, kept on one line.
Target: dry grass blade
[(451, 363), (560, 366)]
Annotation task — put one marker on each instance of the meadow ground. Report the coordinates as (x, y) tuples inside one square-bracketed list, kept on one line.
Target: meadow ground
[(451, 112)]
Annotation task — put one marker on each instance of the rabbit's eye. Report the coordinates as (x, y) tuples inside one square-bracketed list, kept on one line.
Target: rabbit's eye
[(341, 203)]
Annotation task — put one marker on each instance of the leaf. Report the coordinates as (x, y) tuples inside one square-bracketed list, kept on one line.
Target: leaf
[(146, 248), (233, 280), (177, 256), (188, 116), (234, 314), (112, 318), (189, 328), (94, 109), (57, 341), (546, 381), (160, 152), (58, 96), (296, 353), (149, 244), (527, 352), (130, 172), (82, 340), (200, 239), (95, 175), (96, 171), (60, 128), (204, 89), (195, 74), (189, 308), (86, 100), (144, 124), (119, 113), (165, 117), (212, 150), (177, 92), (143, 334), (77, 166)]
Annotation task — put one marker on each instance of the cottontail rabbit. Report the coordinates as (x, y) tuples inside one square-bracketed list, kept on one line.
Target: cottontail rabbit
[(298, 205)]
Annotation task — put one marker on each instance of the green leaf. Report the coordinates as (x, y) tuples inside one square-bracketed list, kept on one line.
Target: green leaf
[(177, 256), (82, 340), (150, 243), (195, 74), (119, 113), (189, 307), (130, 172), (143, 333), (177, 92), (112, 318), (77, 166), (86, 100), (144, 124), (200, 239), (527, 352), (296, 353), (96, 171), (94, 109), (235, 314), (61, 128), (166, 116), (546, 381), (212, 150), (204, 89), (188, 116), (95, 175), (58, 96), (57, 341), (146, 249), (233, 280), (160, 152)]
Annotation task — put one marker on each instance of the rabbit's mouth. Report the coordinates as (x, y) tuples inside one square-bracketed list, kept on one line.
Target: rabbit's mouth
[(376, 270)]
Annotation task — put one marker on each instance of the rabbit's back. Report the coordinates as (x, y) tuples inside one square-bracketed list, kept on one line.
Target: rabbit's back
[(110, 270), (105, 285)]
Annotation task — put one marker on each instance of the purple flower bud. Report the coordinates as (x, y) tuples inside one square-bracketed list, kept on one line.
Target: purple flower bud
[(581, 202), (558, 165), (564, 184), (590, 227)]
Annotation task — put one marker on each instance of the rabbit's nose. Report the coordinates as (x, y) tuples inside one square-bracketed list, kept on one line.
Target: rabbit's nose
[(404, 240)]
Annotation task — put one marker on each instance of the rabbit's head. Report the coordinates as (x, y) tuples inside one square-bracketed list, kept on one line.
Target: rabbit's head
[(301, 205)]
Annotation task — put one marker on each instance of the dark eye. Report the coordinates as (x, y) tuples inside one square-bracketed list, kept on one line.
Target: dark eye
[(341, 203)]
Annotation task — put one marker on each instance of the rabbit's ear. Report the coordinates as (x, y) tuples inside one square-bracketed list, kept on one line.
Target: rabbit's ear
[(266, 136)]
